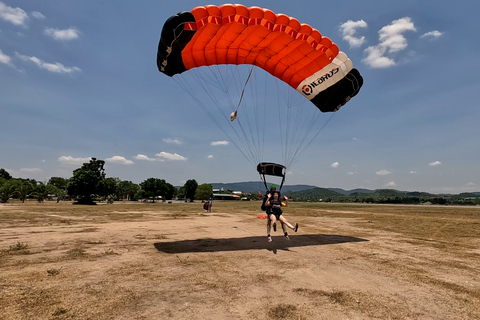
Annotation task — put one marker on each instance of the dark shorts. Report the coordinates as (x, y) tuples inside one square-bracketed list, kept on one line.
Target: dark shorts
[(276, 213)]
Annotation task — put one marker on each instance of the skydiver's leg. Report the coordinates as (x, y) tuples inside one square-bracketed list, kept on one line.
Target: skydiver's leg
[(271, 219), (285, 233), (284, 221)]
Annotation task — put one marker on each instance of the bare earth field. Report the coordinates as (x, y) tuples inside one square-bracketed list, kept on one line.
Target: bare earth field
[(175, 261)]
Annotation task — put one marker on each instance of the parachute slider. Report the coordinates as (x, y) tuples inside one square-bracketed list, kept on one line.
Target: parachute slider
[(233, 116), (271, 169)]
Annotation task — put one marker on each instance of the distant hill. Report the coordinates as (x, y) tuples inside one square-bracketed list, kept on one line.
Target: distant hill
[(349, 192), (255, 186), (315, 192), (322, 193)]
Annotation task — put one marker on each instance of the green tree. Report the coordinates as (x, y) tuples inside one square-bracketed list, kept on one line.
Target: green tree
[(154, 187), (127, 190), (190, 188), (107, 186), (24, 188), (181, 194), (85, 180), (61, 194), (204, 192), (171, 192), (7, 190), (4, 174), (59, 182), (40, 191)]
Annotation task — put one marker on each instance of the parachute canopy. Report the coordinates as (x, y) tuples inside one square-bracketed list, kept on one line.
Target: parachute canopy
[(294, 52)]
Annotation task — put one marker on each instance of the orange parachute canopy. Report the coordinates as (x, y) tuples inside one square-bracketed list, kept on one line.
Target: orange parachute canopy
[(294, 52)]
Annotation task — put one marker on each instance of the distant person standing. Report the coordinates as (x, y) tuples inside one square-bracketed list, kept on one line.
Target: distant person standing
[(209, 205)]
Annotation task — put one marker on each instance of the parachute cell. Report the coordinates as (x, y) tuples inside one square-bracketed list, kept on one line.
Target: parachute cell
[(293, 52)]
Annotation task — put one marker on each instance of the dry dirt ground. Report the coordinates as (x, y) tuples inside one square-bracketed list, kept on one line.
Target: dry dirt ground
[(175, 261)]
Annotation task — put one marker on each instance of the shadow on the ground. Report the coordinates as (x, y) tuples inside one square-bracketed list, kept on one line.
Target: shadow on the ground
[(252, 243)]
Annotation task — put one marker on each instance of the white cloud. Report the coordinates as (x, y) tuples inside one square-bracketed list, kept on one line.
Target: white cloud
[(66, 34), (172, 140), (375, 59), (73, 161), (119, 159), (382, 173), (349, 29), (17, 16), (165, 156), (5, 59), (413, 172), (335, 165), (432, 34), (143, 157), (390, 184), (434, 163), (391, 41), (52, 67), (391, 35), (38, 15), (351, 173), (219, 143), (30, 170), (210, 156), (27, 173)]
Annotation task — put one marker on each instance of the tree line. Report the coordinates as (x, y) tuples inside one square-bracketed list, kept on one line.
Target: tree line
[(386, 196), (90, 184)]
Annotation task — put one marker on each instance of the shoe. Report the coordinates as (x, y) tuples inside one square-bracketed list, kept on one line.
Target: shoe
[(269, 239), (296, 227), (275, 226), (286, 236)]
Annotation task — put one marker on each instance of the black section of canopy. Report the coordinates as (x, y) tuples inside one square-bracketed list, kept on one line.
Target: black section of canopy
[(334, 97), (271, 169), (172, 41)]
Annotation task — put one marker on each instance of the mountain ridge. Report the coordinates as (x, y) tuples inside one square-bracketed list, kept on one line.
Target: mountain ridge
[(255, 186)]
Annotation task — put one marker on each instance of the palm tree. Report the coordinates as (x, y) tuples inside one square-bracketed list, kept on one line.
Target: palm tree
[(40, 192), (23, 190), (7, 190)]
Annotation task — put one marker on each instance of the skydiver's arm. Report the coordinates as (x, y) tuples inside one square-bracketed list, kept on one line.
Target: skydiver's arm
[(267, 203)]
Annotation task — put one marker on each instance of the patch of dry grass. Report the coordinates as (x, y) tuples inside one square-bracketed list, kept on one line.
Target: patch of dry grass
[(283, 311)]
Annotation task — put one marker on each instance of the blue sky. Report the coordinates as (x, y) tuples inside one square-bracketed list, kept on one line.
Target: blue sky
[(78, 79)]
